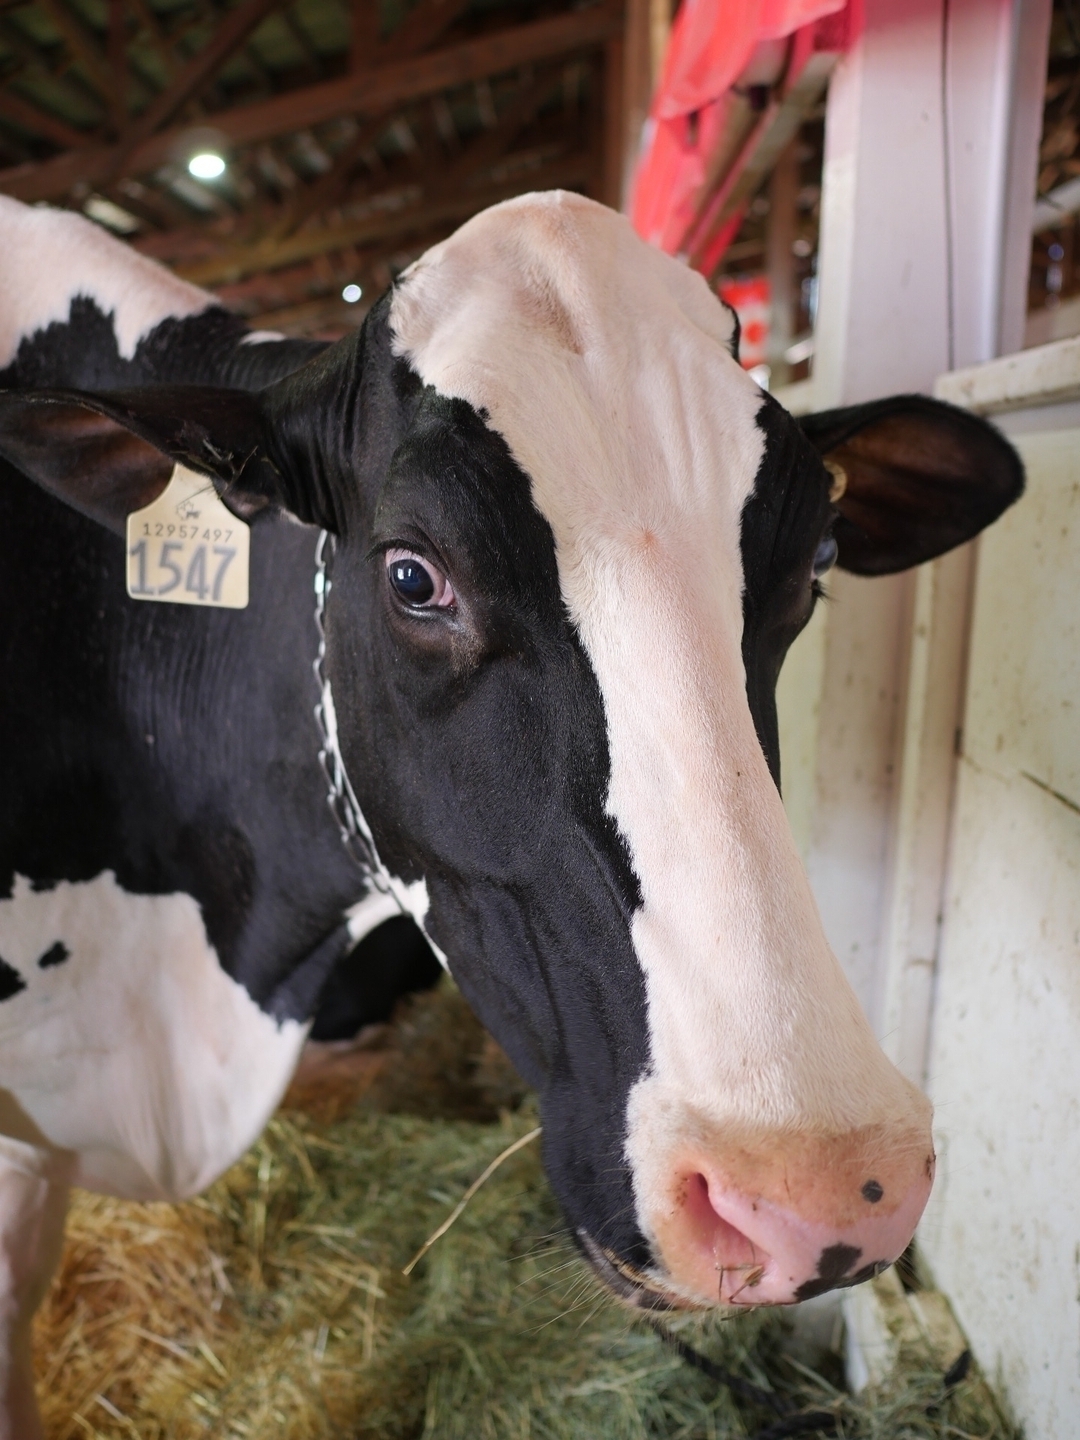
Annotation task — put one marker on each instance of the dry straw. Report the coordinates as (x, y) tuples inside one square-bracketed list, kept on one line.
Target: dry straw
[(275, 1307)]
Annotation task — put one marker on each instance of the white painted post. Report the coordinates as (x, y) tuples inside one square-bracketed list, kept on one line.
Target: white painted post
[(931, 135), (929, 182)]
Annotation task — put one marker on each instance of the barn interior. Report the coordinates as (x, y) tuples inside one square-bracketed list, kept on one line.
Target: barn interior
[(294, 158)]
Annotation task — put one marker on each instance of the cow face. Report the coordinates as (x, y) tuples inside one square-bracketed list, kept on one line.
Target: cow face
[(573, 543)]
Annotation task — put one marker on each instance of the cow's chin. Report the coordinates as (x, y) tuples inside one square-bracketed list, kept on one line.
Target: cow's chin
[(628, 1284)]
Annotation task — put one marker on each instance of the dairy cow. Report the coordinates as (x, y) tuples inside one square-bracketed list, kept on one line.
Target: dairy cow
[(561, 543)]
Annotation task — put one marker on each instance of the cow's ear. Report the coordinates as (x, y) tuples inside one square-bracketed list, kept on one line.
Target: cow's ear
[(913, 477), (112, 452)]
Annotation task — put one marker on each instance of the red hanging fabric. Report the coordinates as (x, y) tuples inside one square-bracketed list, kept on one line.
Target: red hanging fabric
[(711, 44)]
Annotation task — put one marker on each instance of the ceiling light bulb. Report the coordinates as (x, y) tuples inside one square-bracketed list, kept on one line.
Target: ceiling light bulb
[(206, 166), (351, 294)]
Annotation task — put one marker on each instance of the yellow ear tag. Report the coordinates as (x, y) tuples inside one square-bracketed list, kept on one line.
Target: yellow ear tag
[(187, 548)]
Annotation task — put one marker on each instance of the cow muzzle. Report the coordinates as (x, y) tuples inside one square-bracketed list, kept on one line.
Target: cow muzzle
[(817, 1215)]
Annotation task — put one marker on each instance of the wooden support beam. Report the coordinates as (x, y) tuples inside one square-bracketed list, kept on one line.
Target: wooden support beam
[(56, 68), (321, 193), (369, 92), (230, 266), (769, 137), (491, 145), (421, 27), (28, 116), (83, 43), (151, 25), (228, 37), (781, 232), (614, 123), (118, 62), (365, 33)]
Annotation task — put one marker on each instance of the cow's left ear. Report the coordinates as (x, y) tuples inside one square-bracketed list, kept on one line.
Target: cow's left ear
[(914, 477), (111, 452)]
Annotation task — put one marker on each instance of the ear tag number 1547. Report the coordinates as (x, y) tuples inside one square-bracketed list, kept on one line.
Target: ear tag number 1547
[(187, 548)]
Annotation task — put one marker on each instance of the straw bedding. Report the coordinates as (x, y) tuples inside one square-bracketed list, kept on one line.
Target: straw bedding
[(274, 1306)]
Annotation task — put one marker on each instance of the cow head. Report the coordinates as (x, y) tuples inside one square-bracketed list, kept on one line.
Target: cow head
[(574, 541)]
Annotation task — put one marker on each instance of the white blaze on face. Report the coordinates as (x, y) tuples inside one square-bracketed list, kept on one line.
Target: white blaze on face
[(605, 366), (52, 256)]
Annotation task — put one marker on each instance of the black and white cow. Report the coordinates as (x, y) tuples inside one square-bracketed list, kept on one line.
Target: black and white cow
[(571, 542)]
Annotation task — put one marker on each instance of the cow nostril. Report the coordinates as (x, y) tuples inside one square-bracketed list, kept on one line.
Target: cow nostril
[(729, 1247)]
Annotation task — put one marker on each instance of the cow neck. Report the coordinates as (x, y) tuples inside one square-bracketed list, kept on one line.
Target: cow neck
[(356, 833)]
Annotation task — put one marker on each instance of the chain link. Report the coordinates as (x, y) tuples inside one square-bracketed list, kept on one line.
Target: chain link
[(356, 834)]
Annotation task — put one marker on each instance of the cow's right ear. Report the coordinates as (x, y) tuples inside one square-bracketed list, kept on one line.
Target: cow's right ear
[(112, 452)]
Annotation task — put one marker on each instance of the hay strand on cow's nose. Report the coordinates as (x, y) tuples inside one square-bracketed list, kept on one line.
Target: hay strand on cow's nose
[(469, 1193)]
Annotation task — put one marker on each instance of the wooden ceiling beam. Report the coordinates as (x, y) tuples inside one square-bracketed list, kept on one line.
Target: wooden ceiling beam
[(227, 38), (152, 28), (36, 60), (364, 32), (232, 265), (28, 116), (85, 46), (491, 145), (321, 193), (421, 27), (367, 92), (424, 23)]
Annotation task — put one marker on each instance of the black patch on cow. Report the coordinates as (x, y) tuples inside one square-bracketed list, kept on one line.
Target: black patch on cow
[(783, 522), (173, 746), (367, 982), (480, 757), (834, 1262), (297, 993), (81, 353), (55, 955), (872, 1191), (11, 982)]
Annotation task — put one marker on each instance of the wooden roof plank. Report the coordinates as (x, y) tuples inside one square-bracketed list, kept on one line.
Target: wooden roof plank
[(227, 38), (367, 92), (30, 117), (231, 266), (87, 50)]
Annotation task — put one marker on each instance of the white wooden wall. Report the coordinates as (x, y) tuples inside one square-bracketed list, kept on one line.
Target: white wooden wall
[(950, 887), (1002, 1232)]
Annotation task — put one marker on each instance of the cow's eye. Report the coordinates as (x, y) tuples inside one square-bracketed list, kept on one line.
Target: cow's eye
[(416, 582), (825, 557)]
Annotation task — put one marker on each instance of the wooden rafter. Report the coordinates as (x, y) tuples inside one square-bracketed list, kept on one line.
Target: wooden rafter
[(230, 35), (36, 121), (369, 91), (380, 146), (232, 265)]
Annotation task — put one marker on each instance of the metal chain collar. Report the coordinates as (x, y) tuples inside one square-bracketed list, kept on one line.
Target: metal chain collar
[(356, 834)]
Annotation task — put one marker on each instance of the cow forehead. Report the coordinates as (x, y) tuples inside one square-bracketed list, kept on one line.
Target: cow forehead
[(606, 367)]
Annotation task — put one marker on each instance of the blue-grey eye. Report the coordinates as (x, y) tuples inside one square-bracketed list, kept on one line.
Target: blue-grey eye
[(412, 581), (825, 557)]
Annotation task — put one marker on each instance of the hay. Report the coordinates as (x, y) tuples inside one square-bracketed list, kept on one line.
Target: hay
[(274, 1306)]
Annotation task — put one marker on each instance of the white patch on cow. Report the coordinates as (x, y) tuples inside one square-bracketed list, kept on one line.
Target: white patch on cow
[(605, 366), (138, 1053), (367, 914), (52, 256), (262, 337)]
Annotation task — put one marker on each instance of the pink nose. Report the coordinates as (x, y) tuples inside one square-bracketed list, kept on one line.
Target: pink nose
[(780, 1241)]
